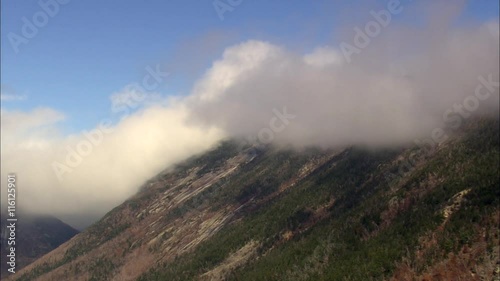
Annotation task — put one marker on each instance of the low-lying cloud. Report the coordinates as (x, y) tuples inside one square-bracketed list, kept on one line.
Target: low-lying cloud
[(83, 186), (378, 99), (397, 89)]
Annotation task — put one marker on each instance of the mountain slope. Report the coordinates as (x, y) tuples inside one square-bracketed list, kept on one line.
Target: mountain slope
[(36, 236), (245, 213)]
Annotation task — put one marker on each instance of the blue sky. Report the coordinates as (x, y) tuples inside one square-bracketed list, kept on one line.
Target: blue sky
[(91, 49)]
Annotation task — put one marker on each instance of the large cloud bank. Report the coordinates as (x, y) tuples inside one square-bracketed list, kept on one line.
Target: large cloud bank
[(400, 87)]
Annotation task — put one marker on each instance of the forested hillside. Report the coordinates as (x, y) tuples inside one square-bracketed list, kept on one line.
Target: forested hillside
[(262, 213)]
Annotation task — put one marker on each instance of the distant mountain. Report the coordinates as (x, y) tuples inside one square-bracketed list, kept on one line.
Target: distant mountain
[(247, 213), (35, 237)]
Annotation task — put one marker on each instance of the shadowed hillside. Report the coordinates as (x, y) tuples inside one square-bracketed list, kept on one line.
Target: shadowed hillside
[(35, 236)]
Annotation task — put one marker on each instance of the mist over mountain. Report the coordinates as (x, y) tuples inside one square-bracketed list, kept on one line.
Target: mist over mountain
[(404, 85), (250, 140), (240, 212)]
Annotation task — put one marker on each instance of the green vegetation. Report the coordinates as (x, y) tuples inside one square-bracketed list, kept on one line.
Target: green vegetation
[(355, 240), (101, 269)]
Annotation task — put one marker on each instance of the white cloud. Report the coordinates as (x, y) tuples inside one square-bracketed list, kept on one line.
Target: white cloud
[(368, 102), (236, 61), (136, 149), (27, 120), (9, 97), (22, 128), (131, 98), (324, 56), (493, 28)]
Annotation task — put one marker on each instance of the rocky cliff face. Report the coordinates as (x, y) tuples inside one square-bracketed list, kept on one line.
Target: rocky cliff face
[(245, 213)]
